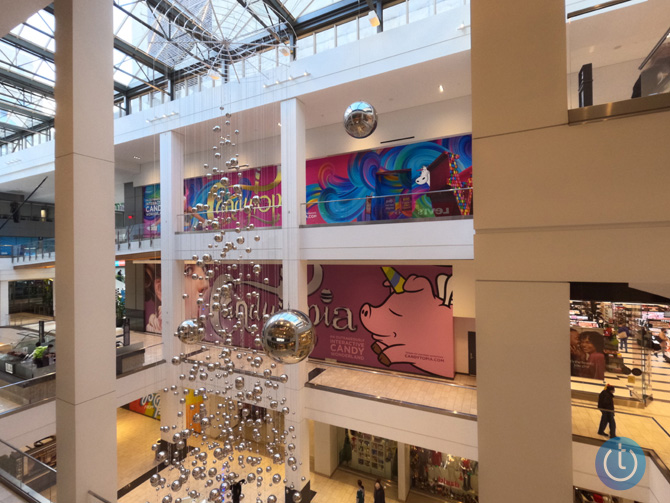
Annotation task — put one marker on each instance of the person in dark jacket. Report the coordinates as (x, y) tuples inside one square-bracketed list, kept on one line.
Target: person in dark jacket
[(236, 490), (606, 406), (360, 493), (379, 495)]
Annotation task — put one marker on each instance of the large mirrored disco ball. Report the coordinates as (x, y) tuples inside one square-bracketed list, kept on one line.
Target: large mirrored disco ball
[(288, 336), (190, 333), (360, 119)]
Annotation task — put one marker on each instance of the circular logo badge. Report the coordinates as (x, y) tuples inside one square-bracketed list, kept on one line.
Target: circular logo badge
[(620, 463)]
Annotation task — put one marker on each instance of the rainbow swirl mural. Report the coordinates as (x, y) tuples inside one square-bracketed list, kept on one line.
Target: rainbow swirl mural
[(419, 180)]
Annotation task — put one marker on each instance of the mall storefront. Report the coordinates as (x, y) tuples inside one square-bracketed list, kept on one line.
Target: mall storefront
[(450, 478)]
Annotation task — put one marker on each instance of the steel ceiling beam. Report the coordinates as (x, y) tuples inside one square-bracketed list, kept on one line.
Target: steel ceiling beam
[(47, 55), (278, 7), (17, 136), (141, 56), (323, 18), (27, 112), (328, 16), (29, 47), (142, 22), (12, 127), (17, 80), (182, 19)]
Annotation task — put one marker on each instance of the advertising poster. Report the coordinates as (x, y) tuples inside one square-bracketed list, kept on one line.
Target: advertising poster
[(407, 181), (151, 211), (391, 317), (153, 320), (397, 318), (263, 183), (148, 405), (594, 351)]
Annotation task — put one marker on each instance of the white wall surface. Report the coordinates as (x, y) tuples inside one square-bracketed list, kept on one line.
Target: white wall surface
[(438, 432), (653, 488), (24, 427)]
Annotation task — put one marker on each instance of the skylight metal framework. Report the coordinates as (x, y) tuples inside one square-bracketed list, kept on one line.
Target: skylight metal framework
[(157, 43)]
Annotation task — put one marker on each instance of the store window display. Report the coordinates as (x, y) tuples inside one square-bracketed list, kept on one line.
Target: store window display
[(586, 496), (369, 454), (452, 478)]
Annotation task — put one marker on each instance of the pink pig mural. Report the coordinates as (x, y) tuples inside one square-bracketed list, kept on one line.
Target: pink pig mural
[(413, 324)]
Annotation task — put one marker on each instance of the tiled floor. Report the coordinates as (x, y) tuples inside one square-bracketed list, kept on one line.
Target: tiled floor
[(135, 435), (339, 488), (459, 395)]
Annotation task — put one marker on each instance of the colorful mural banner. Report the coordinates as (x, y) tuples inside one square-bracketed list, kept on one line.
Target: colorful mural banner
[(151, 211), (399, 317), (263, 182), (408, 181), (148, 405), (391, 317)]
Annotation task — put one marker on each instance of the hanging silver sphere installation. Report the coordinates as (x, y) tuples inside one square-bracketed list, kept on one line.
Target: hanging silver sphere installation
[(288, 336), (190, 333), (360, 119)]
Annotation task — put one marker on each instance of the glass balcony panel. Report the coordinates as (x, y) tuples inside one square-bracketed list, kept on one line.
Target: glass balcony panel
[(347, 32), (395, 16), (617, 53), (325, 40)]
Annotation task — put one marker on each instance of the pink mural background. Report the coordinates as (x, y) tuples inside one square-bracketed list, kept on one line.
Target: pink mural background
[(391, 317), (413, 329)]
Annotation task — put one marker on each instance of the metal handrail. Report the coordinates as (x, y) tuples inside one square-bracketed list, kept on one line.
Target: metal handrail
[(595, 8), (437, 380), (48, 468), (387, 196), (98, 497), (393, 401), (204, 213), (33, 380)]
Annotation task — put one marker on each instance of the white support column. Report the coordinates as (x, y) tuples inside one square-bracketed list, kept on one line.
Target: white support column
[(4, 303), (325, 449), (523, 392), (404, 471), (84, 181), (294, 277), (171, 180)]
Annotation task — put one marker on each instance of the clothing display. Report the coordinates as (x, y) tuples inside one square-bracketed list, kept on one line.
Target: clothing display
[(452, 478)]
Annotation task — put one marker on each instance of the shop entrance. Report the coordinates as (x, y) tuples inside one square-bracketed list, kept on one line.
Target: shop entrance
[(472, 353)]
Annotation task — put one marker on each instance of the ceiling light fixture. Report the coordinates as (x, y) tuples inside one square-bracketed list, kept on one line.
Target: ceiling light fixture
[(137, 157), (373, 18), (289, 79), (441, 88), (213, 74), (164, 116), (284, 50)]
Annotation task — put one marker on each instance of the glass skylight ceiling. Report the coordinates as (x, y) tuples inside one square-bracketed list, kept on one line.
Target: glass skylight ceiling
[(156, 42)]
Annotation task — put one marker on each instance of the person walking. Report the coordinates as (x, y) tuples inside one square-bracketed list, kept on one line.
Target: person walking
[(360, 494), (606, 406), (379, 495), (624, 333), (236, 490)]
